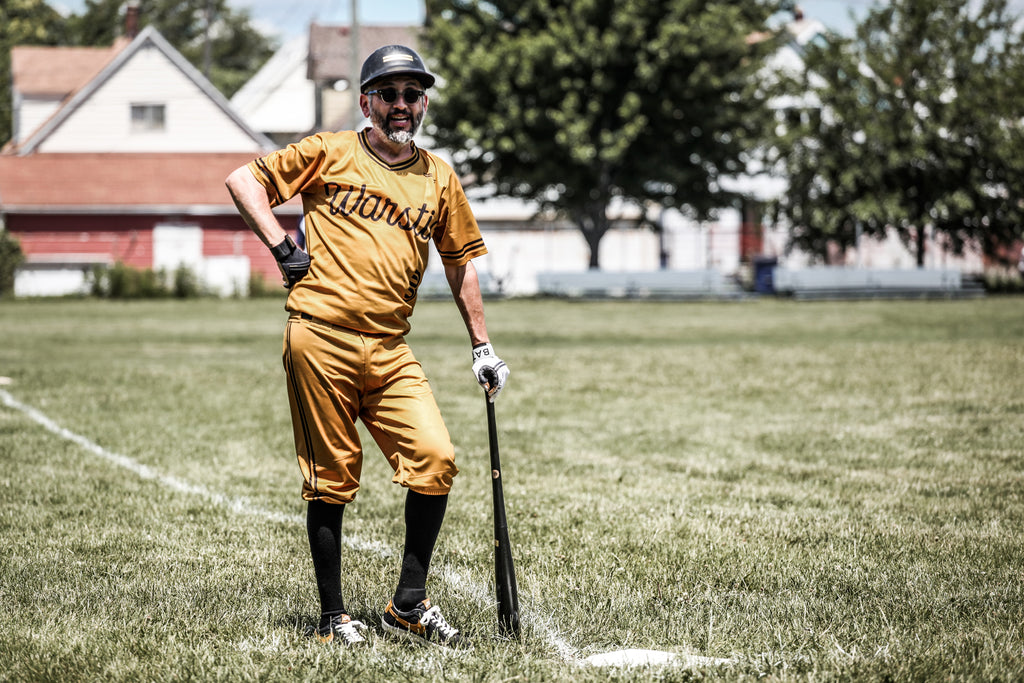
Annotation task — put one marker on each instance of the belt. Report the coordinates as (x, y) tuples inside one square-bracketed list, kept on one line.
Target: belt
[(339, 328)]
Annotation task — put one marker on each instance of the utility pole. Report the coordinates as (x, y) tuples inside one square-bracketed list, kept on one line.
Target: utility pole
[(207, 49), (354, 67)]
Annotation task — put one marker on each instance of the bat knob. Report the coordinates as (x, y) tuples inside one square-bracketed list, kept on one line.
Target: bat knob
[(489, 376)]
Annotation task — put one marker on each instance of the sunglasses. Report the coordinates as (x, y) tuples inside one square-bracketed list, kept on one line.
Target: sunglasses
[(390, 95)]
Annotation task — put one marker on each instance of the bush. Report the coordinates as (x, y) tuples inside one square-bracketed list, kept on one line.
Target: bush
[(260, 287), (11, 257), (1004, 281), (125, 282), (186, 283), (122, 281)]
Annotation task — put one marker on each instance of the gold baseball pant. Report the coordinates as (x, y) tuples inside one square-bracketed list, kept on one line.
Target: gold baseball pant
[(336, 376)]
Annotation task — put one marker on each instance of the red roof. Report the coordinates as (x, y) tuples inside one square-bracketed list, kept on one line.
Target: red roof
[(57, 71), (119, 182)]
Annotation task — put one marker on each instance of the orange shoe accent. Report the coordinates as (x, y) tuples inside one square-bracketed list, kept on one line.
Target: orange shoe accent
[(417, 628), (329, 637)]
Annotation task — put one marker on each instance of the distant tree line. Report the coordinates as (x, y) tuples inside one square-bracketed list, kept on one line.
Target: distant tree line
[(916, 124), (913, 125)]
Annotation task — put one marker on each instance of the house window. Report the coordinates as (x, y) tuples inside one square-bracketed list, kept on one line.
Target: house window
[(147, 117)]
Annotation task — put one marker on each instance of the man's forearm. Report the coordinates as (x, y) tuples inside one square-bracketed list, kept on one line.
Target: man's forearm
[(253, 204), (465, 286)]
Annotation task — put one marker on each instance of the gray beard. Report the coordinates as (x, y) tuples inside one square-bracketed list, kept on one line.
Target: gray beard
[(399, 137)]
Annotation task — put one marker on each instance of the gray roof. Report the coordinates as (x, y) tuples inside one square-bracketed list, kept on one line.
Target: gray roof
[(330, 46)]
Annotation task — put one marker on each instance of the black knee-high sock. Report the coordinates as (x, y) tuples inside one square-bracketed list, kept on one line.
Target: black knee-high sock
[(423, 517), (323, 527)]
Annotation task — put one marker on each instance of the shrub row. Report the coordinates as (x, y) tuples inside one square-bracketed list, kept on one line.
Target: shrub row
[(121, 281)]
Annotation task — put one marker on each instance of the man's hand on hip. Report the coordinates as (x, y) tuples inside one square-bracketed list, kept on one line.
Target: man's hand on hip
[(293, 262)]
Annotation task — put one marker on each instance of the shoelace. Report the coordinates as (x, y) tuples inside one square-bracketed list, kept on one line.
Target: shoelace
[(432, 618), (349, 632)]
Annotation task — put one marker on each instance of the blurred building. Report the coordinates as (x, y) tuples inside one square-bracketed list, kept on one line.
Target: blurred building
[(119, 155)]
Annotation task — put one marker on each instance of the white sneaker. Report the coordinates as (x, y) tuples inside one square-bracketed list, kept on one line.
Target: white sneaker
[(425, 624), (342, 628)]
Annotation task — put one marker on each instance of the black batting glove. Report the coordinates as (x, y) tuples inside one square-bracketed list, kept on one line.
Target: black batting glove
[(293, 262)]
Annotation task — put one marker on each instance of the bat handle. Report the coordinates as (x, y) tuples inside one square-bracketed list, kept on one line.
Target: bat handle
[(489, 376), (492, 435)]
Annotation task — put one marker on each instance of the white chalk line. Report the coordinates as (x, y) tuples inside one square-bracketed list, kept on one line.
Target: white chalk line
[(455, 578)]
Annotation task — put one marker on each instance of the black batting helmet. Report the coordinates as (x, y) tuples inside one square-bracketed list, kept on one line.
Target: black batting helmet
[(394, 59)]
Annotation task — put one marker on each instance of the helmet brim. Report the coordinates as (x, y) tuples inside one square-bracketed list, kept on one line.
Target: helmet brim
[(425, 79)]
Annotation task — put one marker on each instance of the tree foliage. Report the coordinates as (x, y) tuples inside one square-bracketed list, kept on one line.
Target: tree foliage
[(578, 104), (11, 256), (918, 128), (229, 51), (22, 22)]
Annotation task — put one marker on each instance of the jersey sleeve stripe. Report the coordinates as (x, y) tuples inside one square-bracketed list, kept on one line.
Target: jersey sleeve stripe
[(261, 164), (455, 255)]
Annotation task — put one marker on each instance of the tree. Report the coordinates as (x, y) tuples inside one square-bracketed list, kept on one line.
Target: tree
[(22, 22), (99, 24), (216, 39), (916, 127), (578, 104), (11, 256)]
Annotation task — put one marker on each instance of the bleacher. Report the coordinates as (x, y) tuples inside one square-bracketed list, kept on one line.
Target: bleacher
[(821, 282), (657, 284), (831, 282), (435, 285)]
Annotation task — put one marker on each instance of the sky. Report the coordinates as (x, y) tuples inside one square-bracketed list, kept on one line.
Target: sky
[(287, 18)]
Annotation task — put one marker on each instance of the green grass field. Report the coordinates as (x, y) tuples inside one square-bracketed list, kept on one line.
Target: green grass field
[(811, 491)]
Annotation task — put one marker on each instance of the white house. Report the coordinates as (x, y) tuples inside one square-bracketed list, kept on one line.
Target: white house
[(279, 99)]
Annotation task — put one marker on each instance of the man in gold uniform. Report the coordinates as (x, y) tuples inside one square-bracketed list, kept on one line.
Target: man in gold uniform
[(373, 202)]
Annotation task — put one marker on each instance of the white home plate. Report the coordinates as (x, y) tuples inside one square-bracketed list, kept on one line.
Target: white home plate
[(5, 380), (651, 658)]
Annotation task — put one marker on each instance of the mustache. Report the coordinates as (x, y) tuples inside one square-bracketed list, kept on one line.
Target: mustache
[(414, 121), (406, 117), (383, 123)]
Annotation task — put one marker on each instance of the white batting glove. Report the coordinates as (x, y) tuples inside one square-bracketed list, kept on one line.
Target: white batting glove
[(489, 370)]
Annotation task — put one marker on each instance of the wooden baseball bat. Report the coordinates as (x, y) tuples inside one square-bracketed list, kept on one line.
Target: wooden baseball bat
[(504, 570)]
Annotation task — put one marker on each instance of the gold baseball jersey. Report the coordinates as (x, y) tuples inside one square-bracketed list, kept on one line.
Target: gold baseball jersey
[(369, 225)]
